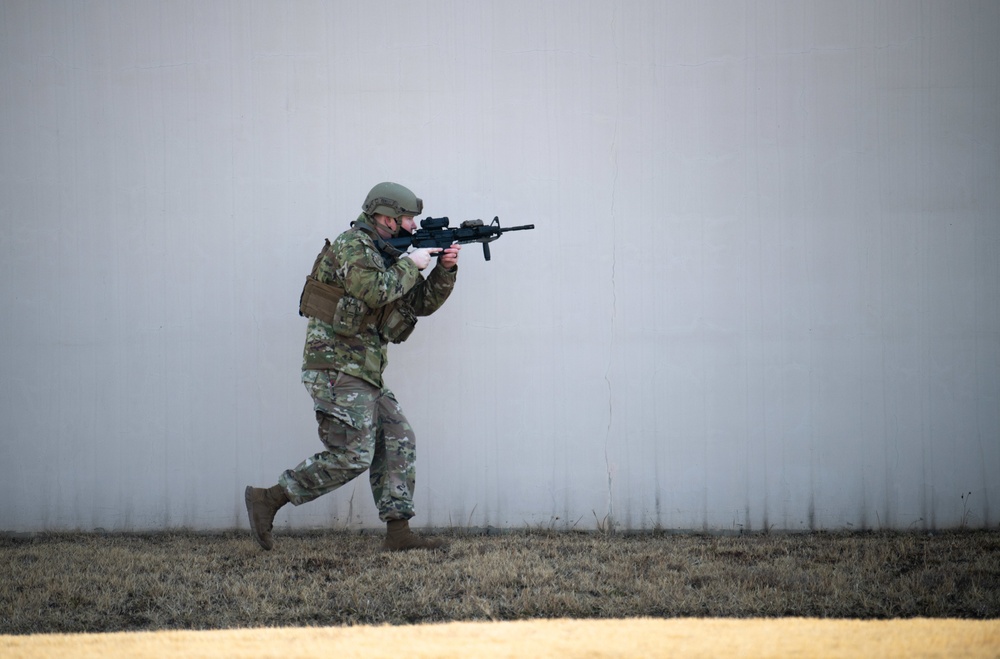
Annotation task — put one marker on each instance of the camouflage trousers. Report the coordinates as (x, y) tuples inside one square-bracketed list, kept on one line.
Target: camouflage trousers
[(362, 428)]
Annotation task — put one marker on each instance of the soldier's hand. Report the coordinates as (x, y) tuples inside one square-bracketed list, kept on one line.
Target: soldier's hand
[(449, 259), (422, 257)]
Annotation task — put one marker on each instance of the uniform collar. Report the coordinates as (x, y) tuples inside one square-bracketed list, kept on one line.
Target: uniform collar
[(363, 223)]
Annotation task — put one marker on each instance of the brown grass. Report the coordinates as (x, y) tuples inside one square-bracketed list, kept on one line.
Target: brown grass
[(76, 582)]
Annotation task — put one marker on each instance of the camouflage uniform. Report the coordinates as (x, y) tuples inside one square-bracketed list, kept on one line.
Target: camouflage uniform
[(360, 422)]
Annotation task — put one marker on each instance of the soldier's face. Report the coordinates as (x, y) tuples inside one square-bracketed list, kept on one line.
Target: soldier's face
[(388, 227)]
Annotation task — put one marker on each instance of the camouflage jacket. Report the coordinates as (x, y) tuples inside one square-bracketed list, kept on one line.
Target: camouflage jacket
[(380, 279)]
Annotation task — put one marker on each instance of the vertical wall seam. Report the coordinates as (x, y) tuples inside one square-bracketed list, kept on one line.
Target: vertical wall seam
[(610, 519)]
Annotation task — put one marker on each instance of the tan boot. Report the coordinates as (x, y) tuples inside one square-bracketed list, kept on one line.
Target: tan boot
[(400, 538), (262, 505)]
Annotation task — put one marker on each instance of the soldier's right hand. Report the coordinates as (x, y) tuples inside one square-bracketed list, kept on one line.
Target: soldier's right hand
[(422, 257)]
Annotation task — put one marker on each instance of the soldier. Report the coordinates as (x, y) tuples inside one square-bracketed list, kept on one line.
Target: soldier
[(362, 294)]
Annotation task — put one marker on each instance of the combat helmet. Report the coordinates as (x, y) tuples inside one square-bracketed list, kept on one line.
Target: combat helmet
[(392, 200)]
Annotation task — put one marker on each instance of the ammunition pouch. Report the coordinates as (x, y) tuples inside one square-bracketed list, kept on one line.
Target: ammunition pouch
[(319, 300), (399, 323), (333, 306)]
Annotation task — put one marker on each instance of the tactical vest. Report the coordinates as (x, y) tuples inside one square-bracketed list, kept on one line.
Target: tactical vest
[(347, 314)]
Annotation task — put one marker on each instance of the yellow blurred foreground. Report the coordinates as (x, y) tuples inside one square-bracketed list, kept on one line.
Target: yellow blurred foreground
[(688, 637)]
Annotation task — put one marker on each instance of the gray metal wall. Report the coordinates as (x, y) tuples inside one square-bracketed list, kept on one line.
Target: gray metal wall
[(762, 292)]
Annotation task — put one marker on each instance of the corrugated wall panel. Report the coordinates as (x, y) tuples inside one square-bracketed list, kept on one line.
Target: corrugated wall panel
[(763, 291)]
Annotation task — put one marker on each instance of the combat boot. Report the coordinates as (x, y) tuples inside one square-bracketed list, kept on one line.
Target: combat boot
[(262, 505), (400, 538)]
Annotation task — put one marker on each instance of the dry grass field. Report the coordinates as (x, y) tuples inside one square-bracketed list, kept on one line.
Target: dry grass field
[(171, 581)]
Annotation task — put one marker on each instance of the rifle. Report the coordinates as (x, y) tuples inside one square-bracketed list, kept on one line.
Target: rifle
[(434, 232)]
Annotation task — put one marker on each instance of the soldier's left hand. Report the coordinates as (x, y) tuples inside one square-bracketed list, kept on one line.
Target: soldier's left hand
[(449, 257)]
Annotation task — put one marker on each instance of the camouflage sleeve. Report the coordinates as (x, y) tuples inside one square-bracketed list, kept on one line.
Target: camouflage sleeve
[(428, 295), (364, 274)]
